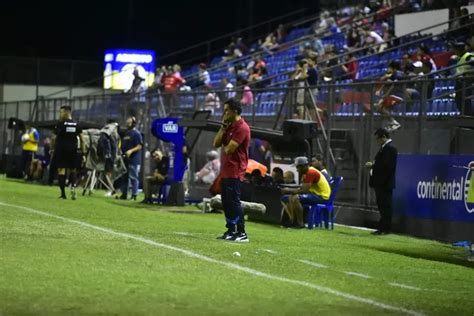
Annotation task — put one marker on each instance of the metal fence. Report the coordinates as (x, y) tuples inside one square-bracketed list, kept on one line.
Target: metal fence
[(345, 113)]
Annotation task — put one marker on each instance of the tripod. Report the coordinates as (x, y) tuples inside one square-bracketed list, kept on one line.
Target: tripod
[(94, 176)]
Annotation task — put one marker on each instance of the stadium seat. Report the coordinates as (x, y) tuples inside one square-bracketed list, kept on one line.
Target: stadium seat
[(315, 210)]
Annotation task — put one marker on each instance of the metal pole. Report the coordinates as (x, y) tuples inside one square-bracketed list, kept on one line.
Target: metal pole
[(421, 114), (71, 80), (330, 109), (37, 77)]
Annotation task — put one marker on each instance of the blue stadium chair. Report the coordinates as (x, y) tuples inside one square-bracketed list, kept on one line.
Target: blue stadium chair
[(315, 210)]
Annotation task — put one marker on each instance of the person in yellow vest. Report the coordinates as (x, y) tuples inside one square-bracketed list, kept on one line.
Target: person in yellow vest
[(464, 74), (29, 140), (314, 189)]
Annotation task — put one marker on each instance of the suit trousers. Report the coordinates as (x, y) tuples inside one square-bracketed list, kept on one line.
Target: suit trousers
[(384, 204)]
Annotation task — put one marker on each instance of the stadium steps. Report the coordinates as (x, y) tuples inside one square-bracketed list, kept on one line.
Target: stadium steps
[(346, 164)]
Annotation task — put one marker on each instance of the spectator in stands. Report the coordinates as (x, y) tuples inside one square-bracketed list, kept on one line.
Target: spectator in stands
[(353, 39), (171, 81), (204, 77), (240, 45), (319, 163), (241, 71), (228, 88), (392, 94), (177, 70), (159, 74), (211, 101), (260, 65), (318, 46), (159, 175), (465, 66), (314, 189), (372, 38), (29, 140), (423, 53), (352, 66), (211, 169), (299, 77), (333, 28), (136, 86), (255, 78), (247, 94), (281, 33), (270, 43)]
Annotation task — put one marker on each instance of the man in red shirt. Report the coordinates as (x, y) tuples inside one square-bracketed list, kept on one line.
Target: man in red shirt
[(171, 82), (234, 138)]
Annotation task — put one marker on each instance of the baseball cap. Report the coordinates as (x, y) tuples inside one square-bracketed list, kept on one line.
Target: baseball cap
[(300, 161)]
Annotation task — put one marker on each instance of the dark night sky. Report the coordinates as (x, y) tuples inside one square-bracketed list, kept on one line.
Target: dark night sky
[(84, 29)]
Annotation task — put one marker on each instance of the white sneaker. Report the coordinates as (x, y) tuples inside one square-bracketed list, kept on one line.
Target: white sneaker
[(393, 126)]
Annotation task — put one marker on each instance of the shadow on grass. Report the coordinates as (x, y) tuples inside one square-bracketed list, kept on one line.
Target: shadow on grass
[(155, 207), (460, 260)]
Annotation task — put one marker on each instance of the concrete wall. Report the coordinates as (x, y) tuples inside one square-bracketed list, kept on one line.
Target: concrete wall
[(410, 22), (15, 92)]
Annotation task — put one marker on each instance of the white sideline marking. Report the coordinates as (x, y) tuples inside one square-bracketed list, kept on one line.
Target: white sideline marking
[(183, 233), (270, 251), (224, 263), (356, 227), (313, 264), (360, 275), (404, 286)]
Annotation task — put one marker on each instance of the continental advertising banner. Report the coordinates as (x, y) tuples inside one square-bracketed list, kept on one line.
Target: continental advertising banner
[(437, 187)]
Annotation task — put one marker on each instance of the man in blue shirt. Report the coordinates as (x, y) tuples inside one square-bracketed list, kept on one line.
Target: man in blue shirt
[(132, 143)]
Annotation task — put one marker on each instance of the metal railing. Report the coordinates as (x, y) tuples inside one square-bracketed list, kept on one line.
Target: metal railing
[(346, 115)]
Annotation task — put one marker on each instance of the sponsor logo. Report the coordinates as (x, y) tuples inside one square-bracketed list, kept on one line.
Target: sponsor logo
[(458, 189), (134, 58), (170, 128)]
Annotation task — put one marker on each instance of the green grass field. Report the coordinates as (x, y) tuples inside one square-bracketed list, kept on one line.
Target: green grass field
[(101, 256)]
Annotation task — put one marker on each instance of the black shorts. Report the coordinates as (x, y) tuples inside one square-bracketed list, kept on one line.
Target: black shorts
[(67, 159)]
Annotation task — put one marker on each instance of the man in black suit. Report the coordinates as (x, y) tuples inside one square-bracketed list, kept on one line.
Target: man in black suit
[(382, 179)]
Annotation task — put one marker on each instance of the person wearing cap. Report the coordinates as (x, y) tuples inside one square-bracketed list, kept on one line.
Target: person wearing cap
[(464, 69), (234, 138), (314, 189), (211, 169), (382, 179)]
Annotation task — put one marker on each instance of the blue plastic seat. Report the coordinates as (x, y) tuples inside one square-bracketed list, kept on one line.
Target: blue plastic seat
[(315, 210)]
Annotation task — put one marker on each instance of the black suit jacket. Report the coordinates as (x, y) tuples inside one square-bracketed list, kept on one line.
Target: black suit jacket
[(383, 170)]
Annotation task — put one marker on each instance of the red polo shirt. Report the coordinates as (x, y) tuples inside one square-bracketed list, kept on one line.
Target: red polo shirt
[(234, 165)]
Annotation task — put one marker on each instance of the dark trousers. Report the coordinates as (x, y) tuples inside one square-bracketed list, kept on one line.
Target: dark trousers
[(233, 211), (384, 204), (26, 158)]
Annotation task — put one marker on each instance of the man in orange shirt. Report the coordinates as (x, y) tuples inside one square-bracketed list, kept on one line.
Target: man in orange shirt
[(314, 189)]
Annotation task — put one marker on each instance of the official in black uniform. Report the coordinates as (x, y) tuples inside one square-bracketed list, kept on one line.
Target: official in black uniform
[(66, 149), (382, 179)]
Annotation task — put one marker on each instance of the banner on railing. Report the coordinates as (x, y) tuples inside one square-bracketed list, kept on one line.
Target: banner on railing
[(122, 66), (438, 187)]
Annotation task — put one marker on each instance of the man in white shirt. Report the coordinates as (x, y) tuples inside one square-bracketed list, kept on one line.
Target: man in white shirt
[(228, 88)]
